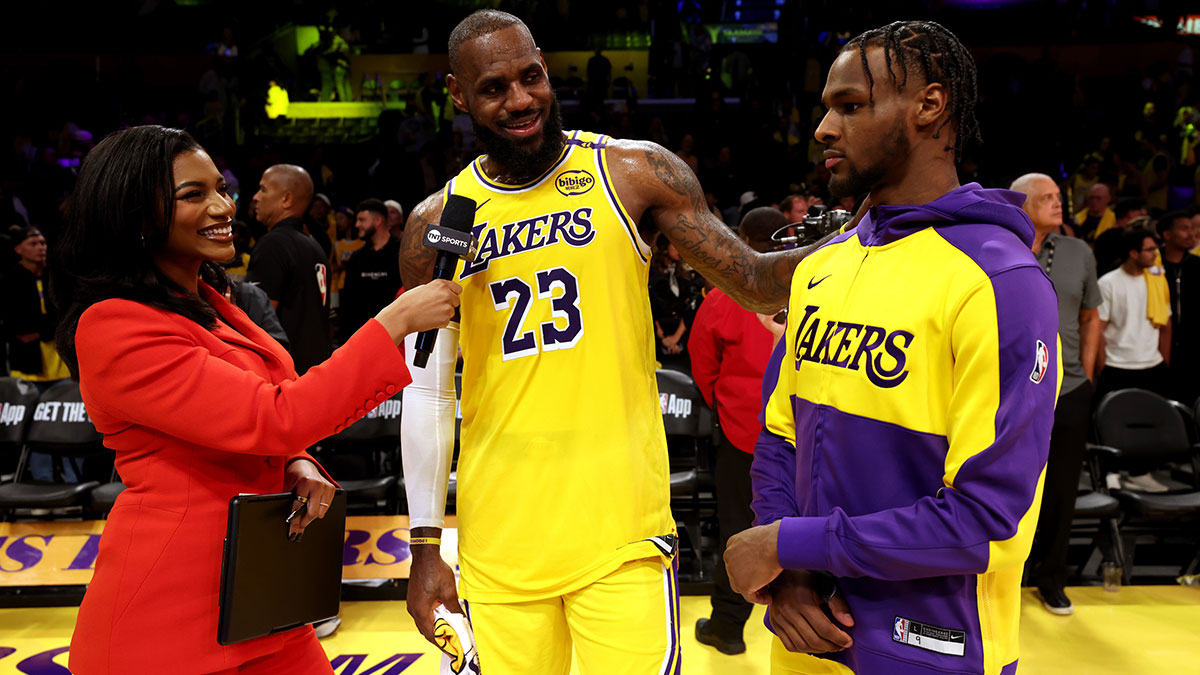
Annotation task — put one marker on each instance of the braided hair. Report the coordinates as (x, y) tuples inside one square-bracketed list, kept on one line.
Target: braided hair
[(942, 59)]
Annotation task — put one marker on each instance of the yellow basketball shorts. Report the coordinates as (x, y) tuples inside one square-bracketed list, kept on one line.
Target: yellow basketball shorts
[(623, 623), (784, 662)]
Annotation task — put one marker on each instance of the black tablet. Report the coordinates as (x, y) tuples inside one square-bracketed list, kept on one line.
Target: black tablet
[(270, 584)]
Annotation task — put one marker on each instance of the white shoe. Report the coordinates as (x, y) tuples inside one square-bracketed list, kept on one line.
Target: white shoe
[(1142, 483)]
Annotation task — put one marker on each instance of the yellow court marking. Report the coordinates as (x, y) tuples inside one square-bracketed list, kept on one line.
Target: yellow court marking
[(1141, 629)]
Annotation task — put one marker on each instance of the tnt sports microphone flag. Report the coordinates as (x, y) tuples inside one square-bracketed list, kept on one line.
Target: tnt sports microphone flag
[(452, 634)]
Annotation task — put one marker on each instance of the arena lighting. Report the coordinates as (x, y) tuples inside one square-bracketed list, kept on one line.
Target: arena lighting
[(1188, 25)]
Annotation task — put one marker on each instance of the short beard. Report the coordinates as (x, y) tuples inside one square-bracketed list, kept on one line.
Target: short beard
[(517, 161), (857, 183)]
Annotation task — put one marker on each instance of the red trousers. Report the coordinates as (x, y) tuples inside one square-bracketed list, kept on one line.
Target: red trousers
[(301, 655)]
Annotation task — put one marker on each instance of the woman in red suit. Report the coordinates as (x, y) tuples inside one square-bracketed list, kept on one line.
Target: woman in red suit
[(198, 403)]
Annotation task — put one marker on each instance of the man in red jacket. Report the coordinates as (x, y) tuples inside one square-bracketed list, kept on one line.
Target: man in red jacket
[(730, 349)]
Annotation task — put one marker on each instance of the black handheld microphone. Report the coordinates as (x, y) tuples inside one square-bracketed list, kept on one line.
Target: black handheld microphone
[(452, 239)]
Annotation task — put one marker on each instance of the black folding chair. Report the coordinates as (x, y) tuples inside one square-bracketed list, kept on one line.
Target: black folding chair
[(688, 423), (1139, 431), (60, 428), (18, 399), (363, 458), (1182, 471)]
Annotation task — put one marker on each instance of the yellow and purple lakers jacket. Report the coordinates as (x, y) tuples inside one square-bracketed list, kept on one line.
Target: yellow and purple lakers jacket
[(907, 421)]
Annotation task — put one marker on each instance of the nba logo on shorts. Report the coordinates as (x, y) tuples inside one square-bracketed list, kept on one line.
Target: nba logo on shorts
[(900, 630), (1041, 362)]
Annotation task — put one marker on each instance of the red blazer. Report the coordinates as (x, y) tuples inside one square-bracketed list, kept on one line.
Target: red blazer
[(195, 418), (730, 349)]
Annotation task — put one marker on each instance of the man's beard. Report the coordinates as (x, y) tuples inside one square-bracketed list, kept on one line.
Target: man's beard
[(857, 183), (516, 160)]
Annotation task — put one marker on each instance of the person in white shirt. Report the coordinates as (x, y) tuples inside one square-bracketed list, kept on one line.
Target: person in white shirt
[(1135, 350)]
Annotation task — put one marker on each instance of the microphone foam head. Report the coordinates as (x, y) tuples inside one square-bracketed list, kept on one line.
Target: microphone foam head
[(458, 213)]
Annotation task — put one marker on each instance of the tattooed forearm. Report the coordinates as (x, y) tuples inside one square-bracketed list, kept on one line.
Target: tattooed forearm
[(756, 281)]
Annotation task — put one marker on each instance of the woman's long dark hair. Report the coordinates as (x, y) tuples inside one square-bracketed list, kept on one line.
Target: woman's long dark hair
[(117, 217)]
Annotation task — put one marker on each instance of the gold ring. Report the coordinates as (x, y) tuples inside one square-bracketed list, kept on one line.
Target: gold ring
[(302, 499)]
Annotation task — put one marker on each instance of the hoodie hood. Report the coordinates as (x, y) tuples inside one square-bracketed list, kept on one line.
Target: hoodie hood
[(968, 205)]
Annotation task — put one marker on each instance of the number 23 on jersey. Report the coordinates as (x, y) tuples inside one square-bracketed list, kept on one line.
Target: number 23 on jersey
[(516, 296)]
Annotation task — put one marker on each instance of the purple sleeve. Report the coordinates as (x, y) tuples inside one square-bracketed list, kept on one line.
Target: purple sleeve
[(1005, 383), (773, 471)]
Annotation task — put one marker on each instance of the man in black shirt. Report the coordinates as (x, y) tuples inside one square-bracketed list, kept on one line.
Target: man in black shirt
[(290, 266), (1183, 279), (373, 271)]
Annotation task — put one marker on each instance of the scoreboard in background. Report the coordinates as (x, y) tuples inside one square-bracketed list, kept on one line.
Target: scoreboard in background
[(743, 33)]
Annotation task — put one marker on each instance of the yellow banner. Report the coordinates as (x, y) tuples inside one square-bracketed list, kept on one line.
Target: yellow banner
[(63, 553)]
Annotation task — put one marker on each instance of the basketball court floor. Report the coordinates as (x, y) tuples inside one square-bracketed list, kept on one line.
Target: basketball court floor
[(1141, 629)]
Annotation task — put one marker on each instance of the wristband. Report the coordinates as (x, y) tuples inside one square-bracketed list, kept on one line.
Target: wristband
[(417, 541)]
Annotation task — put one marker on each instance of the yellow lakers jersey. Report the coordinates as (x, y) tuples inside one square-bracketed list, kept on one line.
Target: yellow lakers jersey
[(562, 473)]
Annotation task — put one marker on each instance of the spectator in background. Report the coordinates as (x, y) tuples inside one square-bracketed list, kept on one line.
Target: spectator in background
[(1082, 181), (687, 152), (29, 318), (1124, 211), (1096, 217), (319, 222), (671, 292), (372, 272), (730, 347), (794, 208), (335, 66), (1110, 242), (1137, 335), (237, 266), (29, 313), (255, 303), (1156, 175), (1072, 269), (395, 217), (1182, 270), (599, 75), (346, 244), (1194, 213), (1135, 346), (290, 266), (277, 100)]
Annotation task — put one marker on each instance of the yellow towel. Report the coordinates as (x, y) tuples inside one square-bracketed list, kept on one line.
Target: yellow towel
[(1158, 296), (1107, 221)]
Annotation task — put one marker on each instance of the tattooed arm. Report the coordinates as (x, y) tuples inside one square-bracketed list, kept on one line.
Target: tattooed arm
[(650, 180), (416, 259)]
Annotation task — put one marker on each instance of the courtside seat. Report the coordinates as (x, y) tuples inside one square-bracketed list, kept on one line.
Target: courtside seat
[(1161, 506), (688, 423), (101, 499), (60, 427), (1184, 472), (1140, 431), (18, 399), (1096, 505)]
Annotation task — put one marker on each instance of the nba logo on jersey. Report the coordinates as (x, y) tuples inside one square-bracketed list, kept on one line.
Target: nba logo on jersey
[(900, 630), (1041, 362), (322, 282)]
